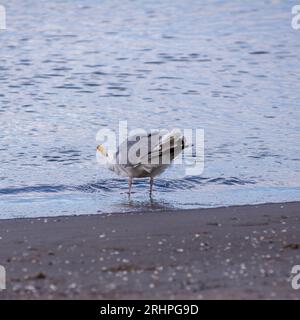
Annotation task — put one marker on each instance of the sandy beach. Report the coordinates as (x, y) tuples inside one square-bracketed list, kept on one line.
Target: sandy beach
[(243, 252)]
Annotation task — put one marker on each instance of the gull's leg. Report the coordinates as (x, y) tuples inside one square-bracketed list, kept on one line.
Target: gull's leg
[(129, 187), (151, 186)]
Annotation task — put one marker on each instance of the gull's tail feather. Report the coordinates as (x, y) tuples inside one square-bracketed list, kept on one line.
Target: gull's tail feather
[(173, 141), (165, 151)]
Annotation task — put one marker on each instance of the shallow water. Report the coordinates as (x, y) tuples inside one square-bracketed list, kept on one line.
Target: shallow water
[(70, 68)]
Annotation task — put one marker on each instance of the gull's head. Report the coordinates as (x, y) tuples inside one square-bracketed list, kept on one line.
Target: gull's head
[(101, 149), (102, 155)]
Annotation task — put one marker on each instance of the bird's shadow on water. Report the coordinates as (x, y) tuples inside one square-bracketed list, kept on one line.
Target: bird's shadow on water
[(150, 204)]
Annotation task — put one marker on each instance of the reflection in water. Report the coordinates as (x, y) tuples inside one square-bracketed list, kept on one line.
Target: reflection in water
[(149, 205)]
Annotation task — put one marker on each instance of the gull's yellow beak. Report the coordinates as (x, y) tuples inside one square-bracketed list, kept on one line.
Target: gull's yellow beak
[(101, 149)]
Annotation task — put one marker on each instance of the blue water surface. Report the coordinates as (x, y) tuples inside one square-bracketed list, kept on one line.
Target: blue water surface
[(69, 68)]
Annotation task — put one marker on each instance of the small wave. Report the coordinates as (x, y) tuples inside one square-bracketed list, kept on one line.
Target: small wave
[(110, 185), (33, 189)]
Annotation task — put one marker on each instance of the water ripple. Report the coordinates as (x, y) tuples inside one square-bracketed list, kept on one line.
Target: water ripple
[(110, 185)]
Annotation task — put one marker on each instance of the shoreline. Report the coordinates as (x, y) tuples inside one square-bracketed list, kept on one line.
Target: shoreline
[(238, 252)]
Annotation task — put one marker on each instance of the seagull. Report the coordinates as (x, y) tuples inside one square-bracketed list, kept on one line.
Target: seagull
[(144, 155)]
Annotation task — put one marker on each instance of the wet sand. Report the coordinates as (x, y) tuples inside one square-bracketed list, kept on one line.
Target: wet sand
[(243, 252)]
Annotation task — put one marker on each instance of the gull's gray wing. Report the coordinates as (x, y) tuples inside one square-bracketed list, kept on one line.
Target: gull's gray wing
[(143, 143), (149, 154)]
